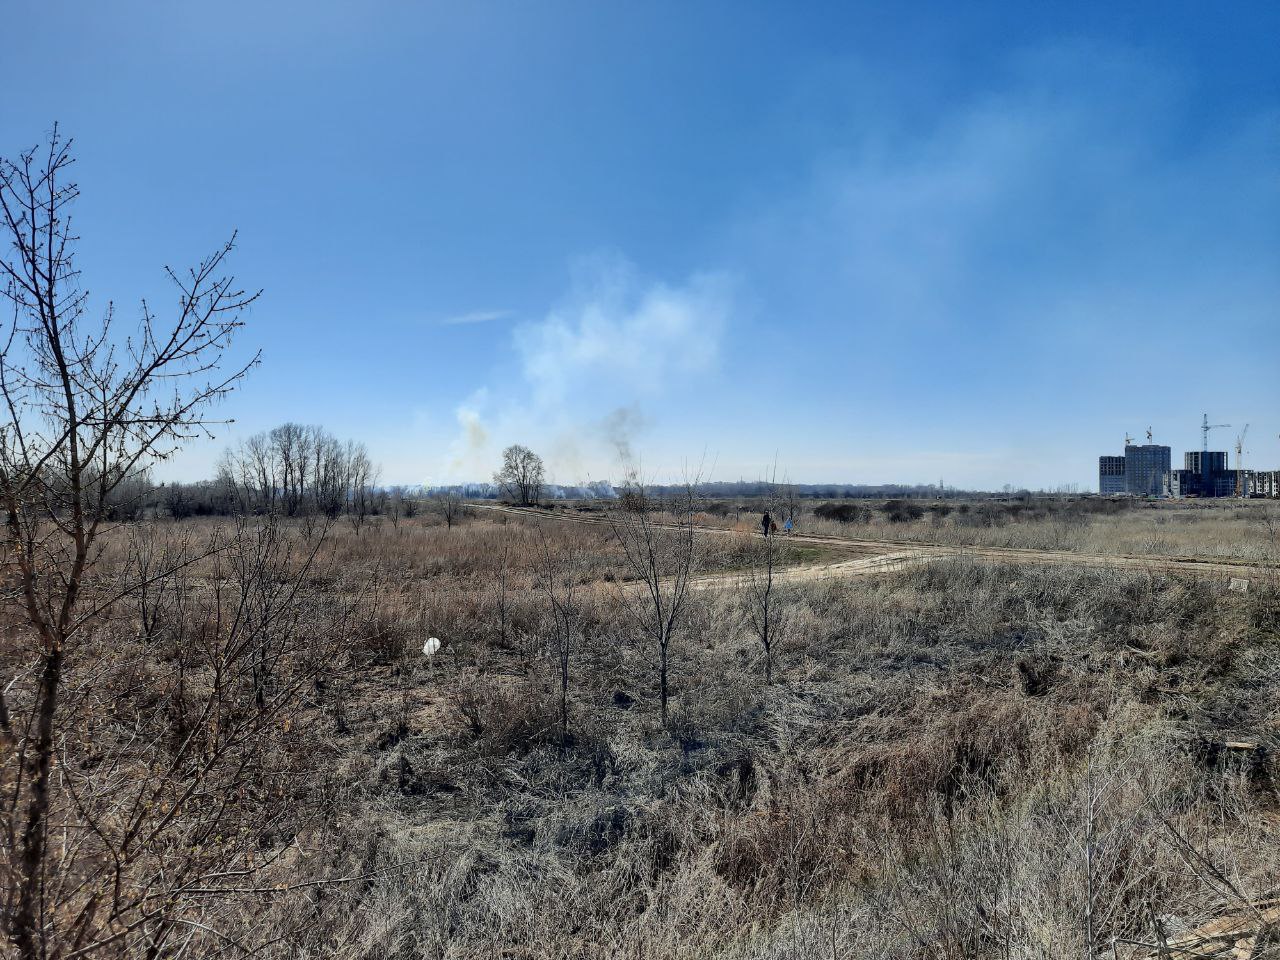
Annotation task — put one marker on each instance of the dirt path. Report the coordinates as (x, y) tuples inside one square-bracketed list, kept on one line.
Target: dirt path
[(882, 556)]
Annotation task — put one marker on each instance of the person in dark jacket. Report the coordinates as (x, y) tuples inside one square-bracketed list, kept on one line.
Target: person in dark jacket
[(766, 522)]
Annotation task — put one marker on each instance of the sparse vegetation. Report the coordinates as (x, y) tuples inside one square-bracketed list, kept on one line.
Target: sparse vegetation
[(1238, 530), (954, 761)]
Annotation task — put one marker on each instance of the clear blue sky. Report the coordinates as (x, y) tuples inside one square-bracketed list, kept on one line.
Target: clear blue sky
[(877, 241)]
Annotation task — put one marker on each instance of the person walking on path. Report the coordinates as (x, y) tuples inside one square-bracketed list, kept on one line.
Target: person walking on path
[(786, 526), (766, 523)]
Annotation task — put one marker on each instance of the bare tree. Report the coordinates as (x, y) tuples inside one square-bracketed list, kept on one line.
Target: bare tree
[(394, 506), (501, 591), (758, 586), (85, 413), (362, 480), (177, 501), (559, 572), (662, 557), (260, 471), (522, 475), (301, 470), (329, 473), (787, 497), (290, 445), (450, 504), (233, 492)]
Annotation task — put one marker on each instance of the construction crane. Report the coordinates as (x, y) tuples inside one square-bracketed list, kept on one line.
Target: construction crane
[(1205, 427), (1240, 484), (1148, 436), (1127, 439)]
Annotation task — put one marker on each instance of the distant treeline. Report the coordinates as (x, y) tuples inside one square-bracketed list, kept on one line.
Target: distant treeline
[(303, 470), (214, 498), (603, 490), (296, 469), (293, 470)]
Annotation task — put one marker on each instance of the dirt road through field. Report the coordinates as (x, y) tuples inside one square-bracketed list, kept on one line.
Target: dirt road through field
[(881, 556)]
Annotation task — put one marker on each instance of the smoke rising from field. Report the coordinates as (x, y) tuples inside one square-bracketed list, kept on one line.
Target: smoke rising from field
[(615, 341), (472, 442), (620, 428)]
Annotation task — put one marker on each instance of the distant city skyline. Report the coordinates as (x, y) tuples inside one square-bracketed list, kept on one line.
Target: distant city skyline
[(976, 243)]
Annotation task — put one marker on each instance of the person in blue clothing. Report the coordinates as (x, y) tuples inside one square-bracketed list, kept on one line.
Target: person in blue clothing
[(786, 525)]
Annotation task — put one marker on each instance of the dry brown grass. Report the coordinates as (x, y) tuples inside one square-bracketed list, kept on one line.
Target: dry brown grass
[(944, 748), (1248, 530), (919, 785)]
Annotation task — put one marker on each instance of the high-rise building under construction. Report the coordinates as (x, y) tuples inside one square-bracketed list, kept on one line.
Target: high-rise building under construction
[(1145, 471), (1205, 462), (1145, 466), (1111, 475)]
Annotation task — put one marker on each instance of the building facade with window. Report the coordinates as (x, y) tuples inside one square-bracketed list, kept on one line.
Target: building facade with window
[(1145, 466), (1111, 475)]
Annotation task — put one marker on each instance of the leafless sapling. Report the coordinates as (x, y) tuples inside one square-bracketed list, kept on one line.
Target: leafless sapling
[(168, 780), (759, 584), (86, 412), (450, 504), (558, 580), (662, 557)]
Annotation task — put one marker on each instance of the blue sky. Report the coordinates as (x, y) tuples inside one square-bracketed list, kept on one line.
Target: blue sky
[(875, 242)]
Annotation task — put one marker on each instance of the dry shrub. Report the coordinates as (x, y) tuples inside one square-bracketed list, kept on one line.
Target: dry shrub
[(974, 742), (794, 849), (1017, 872), (503, 715), (387, 633), (843, 512)]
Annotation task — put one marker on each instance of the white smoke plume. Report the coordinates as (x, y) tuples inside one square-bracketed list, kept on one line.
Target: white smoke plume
[(611, 344)]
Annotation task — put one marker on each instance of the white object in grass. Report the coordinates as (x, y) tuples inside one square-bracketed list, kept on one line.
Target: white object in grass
[(430, 648)]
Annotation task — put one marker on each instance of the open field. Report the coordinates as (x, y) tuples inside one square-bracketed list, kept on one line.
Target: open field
[(1247, 530), (959, 756), (1257, 552)]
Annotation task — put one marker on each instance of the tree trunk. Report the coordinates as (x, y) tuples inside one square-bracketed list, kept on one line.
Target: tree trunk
[(662, 679), (26, 925)]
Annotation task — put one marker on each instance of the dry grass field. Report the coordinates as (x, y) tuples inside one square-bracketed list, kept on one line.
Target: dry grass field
[(1236, 530), (963, 759)]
